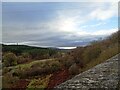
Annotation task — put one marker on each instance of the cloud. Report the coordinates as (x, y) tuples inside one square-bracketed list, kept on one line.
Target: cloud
[(64, 23), (105, 32), (68, 25), (102, 13), (94, 25), (60, 1)]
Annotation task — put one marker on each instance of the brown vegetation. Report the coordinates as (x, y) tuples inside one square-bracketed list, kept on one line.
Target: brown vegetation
[(63, 65)]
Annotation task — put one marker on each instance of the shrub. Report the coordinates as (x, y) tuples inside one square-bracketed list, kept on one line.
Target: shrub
[(29, 72), (34, 71), (67, 61), (8, 80), (5, 70), (77, 55), (20, 60), (105, 54), (40, 83), (54, 66), (91, 53), (9, 59), (26, 55), (108, 53), (74, 69), (23, 58)]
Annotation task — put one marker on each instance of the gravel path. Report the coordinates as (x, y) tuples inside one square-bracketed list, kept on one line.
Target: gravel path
[(103, 76)]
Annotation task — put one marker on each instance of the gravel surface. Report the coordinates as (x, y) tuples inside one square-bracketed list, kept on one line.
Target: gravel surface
[(103, 76)]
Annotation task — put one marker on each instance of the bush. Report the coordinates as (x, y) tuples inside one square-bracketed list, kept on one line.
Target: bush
[(21, 60), (104, 55), (26, 55), (40, 83), (67, 61), (108, 53), (77, 55), (54, 66), (35, 71), (73, 70), (30, 72), (8, 80), (5, 70), (91, 53), (9, 59)]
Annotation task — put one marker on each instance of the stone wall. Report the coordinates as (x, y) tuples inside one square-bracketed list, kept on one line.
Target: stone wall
[(104, 75)]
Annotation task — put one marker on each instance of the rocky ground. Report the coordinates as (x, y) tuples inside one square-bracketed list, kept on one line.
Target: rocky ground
[(103, 76)]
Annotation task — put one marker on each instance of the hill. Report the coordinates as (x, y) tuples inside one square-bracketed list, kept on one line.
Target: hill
[(97, 51), (46, 68), (18, 49)]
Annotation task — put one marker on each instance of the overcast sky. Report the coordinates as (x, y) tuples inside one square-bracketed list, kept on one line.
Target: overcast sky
[(58, 24)]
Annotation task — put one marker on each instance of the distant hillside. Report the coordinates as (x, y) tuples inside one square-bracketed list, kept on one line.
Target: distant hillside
[(18, 49), (30, 52), (97, 51)]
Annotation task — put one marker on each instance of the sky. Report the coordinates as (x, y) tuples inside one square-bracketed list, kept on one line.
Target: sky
[(57, 24)]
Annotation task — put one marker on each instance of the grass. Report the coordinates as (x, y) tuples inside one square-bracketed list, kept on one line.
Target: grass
[(105, 55), (34, 69), (28, 65), (40, 83)]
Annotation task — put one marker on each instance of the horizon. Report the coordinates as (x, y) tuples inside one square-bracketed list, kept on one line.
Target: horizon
[(40, 46)]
